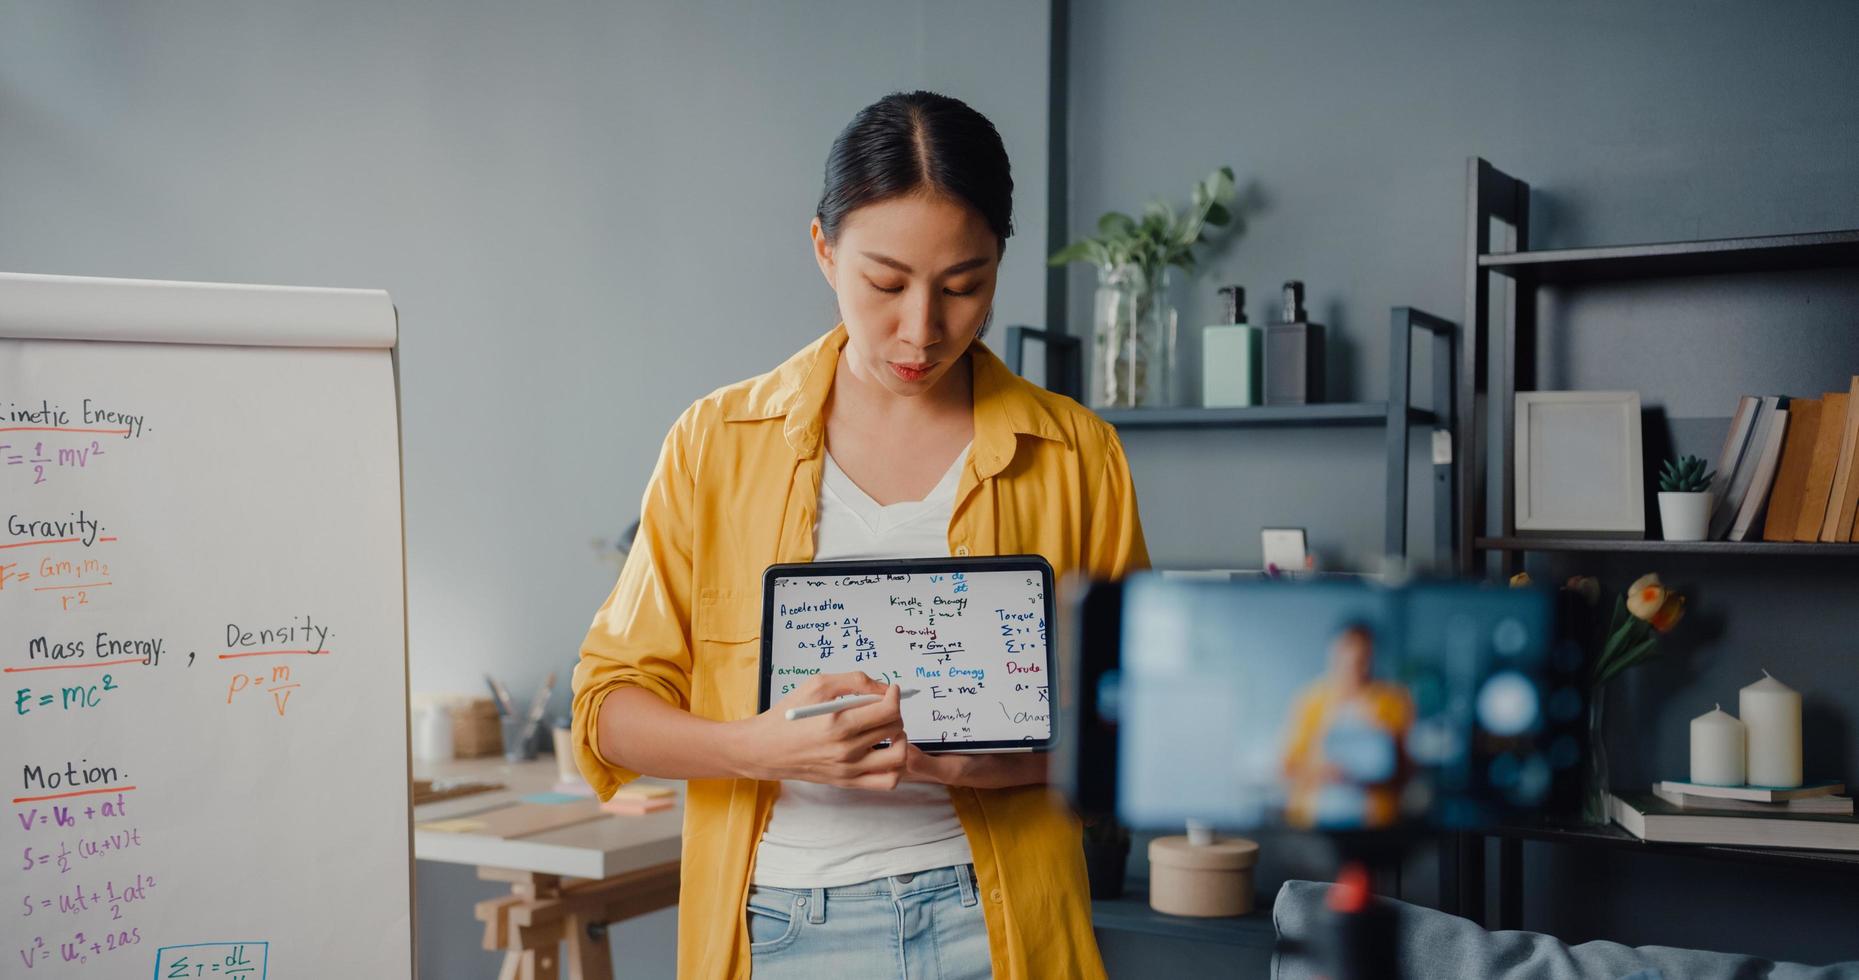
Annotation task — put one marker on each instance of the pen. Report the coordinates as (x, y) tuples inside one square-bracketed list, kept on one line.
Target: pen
[(540, 703), (499, 695), (841, 704)]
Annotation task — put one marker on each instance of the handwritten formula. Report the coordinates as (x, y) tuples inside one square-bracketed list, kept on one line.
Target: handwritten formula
[(39, 440), (240, 961), (203, 664), (974, 642), (56, 560)]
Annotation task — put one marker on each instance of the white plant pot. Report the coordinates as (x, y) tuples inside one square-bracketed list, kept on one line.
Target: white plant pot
[(1685, 516)]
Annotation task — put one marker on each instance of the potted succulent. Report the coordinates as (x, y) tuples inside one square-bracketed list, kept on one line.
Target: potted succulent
[(1685, 499)]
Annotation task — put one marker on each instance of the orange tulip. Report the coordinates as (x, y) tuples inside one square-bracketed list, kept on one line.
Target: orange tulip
[(1670, 612), (1646, 597)]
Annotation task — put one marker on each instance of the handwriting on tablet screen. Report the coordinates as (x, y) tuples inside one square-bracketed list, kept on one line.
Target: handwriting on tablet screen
[(974, 642)]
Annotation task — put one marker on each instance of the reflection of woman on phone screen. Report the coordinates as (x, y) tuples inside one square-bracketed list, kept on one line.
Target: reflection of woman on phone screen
[(807, 852), (1345, 752)]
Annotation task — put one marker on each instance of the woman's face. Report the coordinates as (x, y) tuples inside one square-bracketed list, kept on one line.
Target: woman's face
[(915, 277)]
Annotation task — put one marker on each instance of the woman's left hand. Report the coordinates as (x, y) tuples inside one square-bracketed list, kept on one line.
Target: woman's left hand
[(977, 771)]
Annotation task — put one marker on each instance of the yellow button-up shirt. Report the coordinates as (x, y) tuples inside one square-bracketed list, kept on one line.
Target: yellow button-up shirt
[(737, 488)]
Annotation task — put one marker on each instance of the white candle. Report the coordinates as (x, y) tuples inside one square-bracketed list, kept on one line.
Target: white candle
[(1717, 749), (1771, 713)]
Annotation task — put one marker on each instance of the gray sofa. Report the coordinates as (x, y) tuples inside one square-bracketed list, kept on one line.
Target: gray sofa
[(1434, 944)]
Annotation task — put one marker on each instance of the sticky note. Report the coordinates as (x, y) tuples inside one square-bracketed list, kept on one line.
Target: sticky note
[(634, 806), (642, 791), (553, 798), (457, 826)]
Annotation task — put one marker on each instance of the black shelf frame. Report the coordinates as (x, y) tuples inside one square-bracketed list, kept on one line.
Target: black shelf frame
[(1489, 545), (1257, 416), (1131, 913), (1397, 416), (1494, 195), (1768, 253), (1610, 836), (1790, 549)]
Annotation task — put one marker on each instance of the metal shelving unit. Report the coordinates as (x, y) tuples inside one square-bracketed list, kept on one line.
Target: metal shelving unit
[(1132, 913), (1397, 416), (1792, 549), (1489, 544)]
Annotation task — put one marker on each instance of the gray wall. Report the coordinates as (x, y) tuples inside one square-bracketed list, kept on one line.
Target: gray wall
[(1352, 122), (580, 211), (588, 214)]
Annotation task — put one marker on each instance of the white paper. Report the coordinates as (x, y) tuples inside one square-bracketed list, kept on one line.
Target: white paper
[(182, 499)]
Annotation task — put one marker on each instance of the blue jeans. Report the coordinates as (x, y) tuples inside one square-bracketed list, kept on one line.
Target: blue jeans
[(923, 926)]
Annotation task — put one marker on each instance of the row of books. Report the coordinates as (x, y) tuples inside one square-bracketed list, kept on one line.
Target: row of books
[(1789, 469), (1814, 817)]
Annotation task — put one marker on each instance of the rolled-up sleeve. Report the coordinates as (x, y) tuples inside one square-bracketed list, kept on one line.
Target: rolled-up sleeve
[(1114, 546), (641, 635)]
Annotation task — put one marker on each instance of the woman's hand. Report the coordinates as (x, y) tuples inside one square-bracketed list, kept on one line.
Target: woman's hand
[(835, 749), (977, 771)]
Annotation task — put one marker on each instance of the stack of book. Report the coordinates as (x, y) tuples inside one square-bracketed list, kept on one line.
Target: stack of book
[(1789, 470), (1815, 817)]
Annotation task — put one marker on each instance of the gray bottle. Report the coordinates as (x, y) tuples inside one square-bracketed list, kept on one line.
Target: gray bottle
[(1293, 354)]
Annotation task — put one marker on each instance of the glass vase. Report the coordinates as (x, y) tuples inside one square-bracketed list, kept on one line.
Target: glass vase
[(1133, 363), (1595, 774)]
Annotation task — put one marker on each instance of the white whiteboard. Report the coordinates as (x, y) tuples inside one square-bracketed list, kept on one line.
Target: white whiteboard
[(202, 631), (974, 644)]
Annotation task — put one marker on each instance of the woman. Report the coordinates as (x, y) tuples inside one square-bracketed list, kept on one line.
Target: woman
[(808, 853)]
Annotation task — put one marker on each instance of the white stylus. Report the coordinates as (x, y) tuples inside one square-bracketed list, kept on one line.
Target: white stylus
[(841, 704)]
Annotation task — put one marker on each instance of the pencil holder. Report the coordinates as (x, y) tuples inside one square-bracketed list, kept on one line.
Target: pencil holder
[(565, 769), (519, 741)]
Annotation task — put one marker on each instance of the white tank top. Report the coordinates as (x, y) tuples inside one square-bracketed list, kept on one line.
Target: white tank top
[(820, 836)]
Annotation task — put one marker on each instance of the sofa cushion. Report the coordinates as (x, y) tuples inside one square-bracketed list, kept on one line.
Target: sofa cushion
[(1434, 944)]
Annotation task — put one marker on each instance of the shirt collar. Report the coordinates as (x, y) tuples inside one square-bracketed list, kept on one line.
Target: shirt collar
[(1006, 406)]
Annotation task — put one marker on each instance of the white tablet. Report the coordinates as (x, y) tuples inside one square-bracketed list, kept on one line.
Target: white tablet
[(971, 634)]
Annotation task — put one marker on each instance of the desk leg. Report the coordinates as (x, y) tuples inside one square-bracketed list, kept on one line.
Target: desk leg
[(532, 950), (588, 955), (541, 913)]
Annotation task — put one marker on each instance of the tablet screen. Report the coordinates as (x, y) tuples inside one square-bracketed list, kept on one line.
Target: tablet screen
[(969, 634)]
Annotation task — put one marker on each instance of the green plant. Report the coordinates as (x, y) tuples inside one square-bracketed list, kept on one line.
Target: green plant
[(1162, 237), (1684, 475)]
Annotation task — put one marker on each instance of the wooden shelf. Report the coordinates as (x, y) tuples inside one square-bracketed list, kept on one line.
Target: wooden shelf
[(1132, 913), (1815, 250), (1259, 416), (1776, 549), (1845, 862)]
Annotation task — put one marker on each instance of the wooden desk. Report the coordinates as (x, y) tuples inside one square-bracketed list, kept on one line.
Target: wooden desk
[(566, 884)]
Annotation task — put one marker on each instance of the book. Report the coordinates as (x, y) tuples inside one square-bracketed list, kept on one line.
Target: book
[(1652, 819), (1841, 503), (1757, 498), (1820, 470), (1723, 515), (1754, 794), (1812, 804), (1791, 477), (1734, 441)]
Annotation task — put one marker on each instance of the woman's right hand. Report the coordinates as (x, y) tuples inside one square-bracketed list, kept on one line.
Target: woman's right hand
[(835, 749)]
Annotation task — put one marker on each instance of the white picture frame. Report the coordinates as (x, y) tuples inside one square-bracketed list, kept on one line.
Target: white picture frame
[(1579, 466)]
